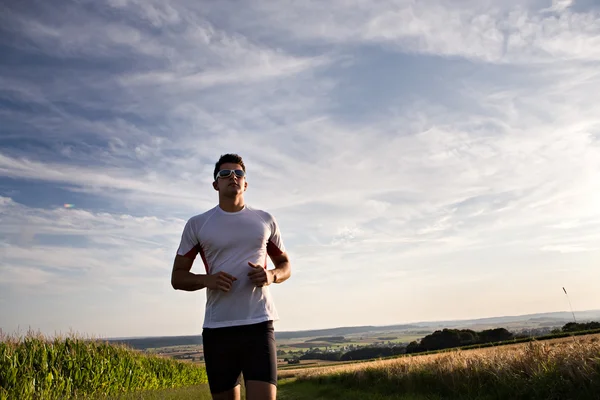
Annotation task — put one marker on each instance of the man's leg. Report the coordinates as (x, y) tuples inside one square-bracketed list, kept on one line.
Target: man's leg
[(257, 390), (259, 364), (223, 363)]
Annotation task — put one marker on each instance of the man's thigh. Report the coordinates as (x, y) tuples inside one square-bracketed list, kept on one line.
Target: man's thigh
[(259, 364), (223, 360)]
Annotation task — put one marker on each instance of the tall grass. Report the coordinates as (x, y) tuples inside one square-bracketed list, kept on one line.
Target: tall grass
[(564, 369), (37, 367)]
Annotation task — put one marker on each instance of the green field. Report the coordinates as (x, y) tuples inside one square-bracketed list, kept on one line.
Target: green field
[(36, 367), (292, 347)]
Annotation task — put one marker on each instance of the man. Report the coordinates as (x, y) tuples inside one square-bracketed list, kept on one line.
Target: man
[(233, 241)]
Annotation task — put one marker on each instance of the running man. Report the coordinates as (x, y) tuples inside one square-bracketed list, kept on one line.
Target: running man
[(233, 241)]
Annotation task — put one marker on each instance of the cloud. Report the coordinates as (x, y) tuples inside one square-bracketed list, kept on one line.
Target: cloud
[(558, 6), (400, 145), (512, 32), (114, 246)]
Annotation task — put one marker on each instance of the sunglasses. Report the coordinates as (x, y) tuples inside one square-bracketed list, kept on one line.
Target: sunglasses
[(226, 173)]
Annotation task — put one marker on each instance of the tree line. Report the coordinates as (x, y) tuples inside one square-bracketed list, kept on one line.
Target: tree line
[(448, 338), (577, 327)]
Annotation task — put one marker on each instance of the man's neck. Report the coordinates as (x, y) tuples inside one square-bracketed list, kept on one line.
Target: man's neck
[(231, 205)]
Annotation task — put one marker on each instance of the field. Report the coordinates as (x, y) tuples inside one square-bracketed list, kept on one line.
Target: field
[(193, 353), (37, 367), (294, 344), (349, 340), (566, 368)]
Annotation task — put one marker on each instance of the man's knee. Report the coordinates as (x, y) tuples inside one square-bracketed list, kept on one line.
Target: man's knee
[(259, 390)]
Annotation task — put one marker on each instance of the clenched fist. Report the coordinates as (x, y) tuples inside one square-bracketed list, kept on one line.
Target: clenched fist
[(220, 281), (259, 275)]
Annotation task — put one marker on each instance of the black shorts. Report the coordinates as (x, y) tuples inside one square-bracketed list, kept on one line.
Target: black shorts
[(247, 349)]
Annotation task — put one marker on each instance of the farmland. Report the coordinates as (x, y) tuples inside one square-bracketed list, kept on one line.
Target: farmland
[(69, 367), (311, 348), (553, 369), (565, 368), (296, 347)]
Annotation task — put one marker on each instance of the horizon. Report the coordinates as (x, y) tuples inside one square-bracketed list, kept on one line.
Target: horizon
[(353, 326), (425, 161), (384, 326)]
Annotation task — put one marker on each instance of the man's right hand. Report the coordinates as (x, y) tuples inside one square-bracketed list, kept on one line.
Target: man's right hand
[(220, 281)]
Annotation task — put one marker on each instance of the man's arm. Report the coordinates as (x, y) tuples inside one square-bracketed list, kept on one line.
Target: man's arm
[(283, 268), (182, 278)]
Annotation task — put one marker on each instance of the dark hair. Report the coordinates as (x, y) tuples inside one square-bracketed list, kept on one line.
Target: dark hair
[(228, 158)]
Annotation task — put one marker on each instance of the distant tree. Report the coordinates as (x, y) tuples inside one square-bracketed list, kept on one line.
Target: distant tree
[(575, 327), (413, 347), (494, 335), (449, 338), (467, 337), (443, 339)]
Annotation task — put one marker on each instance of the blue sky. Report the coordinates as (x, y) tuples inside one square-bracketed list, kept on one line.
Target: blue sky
[(425, 160)]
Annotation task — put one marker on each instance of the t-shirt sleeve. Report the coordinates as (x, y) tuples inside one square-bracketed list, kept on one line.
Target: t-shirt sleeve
[(275, 245), (188, 246)]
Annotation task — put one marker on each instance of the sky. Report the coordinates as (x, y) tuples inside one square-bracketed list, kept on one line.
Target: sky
[(425, 160)]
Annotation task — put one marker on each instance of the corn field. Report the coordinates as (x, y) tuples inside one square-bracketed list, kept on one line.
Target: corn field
[(34, 367)]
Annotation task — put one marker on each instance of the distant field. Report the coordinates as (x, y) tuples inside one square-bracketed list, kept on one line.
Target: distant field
[(195, 352), (362, 340)]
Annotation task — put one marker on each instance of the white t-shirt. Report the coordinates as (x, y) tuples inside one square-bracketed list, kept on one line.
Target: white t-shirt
[(227, 241)]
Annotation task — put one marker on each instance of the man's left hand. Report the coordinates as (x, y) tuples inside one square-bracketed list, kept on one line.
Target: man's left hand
[(259, 275)]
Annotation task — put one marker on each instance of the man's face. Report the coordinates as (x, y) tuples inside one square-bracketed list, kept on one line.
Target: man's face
[(232, 185)]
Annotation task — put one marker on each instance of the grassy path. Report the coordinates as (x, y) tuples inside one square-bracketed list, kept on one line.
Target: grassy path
[(311, 391), (199, 392), (288, 390)]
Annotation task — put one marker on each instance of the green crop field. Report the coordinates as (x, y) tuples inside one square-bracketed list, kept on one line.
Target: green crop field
[(37, 367)]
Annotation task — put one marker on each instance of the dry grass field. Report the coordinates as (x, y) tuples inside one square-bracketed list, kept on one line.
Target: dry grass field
[(566, 368)]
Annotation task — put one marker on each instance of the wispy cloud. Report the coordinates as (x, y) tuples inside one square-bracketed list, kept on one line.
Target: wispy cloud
[(483, 31)]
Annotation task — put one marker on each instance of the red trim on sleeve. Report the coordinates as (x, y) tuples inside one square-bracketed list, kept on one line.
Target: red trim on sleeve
[(203, 256), (273, 250), (192, 253)]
